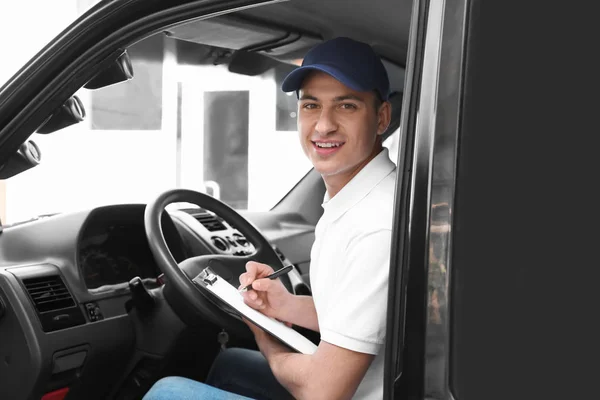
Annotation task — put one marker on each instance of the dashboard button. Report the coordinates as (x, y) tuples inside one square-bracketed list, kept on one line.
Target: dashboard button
[(94, 312), (220, 243)]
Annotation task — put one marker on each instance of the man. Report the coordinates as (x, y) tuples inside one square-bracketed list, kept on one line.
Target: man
[(342, 90)]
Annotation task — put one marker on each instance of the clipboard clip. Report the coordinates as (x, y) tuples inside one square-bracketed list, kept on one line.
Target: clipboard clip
[(207, 276)]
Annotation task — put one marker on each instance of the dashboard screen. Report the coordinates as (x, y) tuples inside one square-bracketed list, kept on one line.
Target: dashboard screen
[(114, 254)]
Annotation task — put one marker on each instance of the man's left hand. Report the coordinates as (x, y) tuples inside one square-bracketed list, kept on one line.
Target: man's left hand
[(268, 345)]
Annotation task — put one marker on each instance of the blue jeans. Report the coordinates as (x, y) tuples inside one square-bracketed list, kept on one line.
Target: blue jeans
[(236, 374)]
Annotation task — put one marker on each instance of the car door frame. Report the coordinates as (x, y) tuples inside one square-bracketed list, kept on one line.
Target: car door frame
[(417, 345)]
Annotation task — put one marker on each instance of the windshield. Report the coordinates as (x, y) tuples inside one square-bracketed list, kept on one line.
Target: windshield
[(177, 124), (174, 125)]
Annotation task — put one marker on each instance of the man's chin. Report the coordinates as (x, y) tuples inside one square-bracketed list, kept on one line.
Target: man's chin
[(327, 171), (330, 167)]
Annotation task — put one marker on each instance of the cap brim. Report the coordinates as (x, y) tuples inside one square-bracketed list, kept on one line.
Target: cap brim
[(293, 82)]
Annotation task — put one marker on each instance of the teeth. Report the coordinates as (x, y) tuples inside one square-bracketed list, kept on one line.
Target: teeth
[(327, 144)]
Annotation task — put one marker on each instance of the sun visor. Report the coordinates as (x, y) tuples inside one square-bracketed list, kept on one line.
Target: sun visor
[(237, 33)]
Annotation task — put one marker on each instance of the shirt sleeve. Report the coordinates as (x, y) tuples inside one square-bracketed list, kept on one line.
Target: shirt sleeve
[(357, 302)]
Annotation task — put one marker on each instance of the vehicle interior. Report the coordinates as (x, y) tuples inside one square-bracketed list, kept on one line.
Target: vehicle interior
[(99, 299), (149, 140)]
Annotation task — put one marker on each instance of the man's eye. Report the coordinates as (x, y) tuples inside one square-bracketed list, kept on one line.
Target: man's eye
[(348, 106), (309, 106)]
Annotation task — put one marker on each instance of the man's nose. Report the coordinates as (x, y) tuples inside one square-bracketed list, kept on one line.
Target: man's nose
[(326, 123)]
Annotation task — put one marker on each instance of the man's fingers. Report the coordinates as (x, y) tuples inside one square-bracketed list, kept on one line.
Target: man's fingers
[(262, 285), (252, 271), (252, 299), (259, 269), (249, 296), (255, 304)]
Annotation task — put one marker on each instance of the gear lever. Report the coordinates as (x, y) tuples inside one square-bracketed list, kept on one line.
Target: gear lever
[(141, 298)]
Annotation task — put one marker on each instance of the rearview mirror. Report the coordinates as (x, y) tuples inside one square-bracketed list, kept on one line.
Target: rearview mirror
[(118, 71)]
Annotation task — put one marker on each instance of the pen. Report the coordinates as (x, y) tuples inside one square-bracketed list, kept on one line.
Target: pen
[(274, 275)]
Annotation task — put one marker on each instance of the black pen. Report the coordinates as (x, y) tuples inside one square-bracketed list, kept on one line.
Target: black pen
[(274, 275)]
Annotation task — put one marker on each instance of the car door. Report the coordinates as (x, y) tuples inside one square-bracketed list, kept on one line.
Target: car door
[(494, 270)]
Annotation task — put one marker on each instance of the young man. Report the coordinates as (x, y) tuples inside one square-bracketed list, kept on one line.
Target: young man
[(342, 89)]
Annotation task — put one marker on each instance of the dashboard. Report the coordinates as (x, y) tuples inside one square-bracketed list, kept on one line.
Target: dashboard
[(113, 248), (65, 302), (115, 254)]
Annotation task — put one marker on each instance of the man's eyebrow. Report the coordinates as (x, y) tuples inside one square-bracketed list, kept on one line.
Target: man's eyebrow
[(349, 97), (308, 97), (336, 99)]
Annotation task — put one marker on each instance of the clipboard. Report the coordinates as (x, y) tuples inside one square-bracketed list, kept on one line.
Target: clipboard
[(234, 302)]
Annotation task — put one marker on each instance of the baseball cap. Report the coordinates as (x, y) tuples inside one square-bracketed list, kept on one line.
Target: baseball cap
[(353, 63)]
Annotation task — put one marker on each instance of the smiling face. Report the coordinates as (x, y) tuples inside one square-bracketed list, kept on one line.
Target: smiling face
[(339, 128)]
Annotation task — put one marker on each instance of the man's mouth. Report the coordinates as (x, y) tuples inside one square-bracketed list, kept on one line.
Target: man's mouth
[(327, 147)]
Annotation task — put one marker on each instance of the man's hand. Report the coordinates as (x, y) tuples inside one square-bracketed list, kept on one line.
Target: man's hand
[(268, 296), (272, 298), (268, 345)]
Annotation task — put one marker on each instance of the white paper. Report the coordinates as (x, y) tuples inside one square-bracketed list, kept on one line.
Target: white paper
[(233, 297)]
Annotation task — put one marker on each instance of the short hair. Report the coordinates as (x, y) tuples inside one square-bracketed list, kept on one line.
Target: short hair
[(378, 101)]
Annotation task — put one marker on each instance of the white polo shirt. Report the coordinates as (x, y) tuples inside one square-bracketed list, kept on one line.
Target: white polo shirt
[(349, 269)]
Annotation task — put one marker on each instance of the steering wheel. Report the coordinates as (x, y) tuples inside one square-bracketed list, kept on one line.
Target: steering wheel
[(193, 303)]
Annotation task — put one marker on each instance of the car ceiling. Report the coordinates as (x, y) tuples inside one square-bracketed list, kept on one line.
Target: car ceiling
[(384, 24)]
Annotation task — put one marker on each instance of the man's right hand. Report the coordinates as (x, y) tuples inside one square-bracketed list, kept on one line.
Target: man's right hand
[(268, 296)]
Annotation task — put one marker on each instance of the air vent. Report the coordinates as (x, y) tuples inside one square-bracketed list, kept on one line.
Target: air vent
[(210, 222), (55, 306), (48, 293)]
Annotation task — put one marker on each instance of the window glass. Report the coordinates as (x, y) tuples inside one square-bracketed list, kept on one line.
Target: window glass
[(175, 124)]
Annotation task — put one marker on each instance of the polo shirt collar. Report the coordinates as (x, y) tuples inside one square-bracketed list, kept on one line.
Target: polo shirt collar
[(359, 186)]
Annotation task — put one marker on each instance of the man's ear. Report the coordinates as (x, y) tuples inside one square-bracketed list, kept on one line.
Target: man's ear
[(384, 116)]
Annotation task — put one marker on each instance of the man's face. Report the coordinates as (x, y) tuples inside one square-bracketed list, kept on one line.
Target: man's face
[(338, 126)]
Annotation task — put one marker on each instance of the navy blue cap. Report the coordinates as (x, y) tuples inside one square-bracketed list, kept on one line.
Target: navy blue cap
[(353, 63)]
